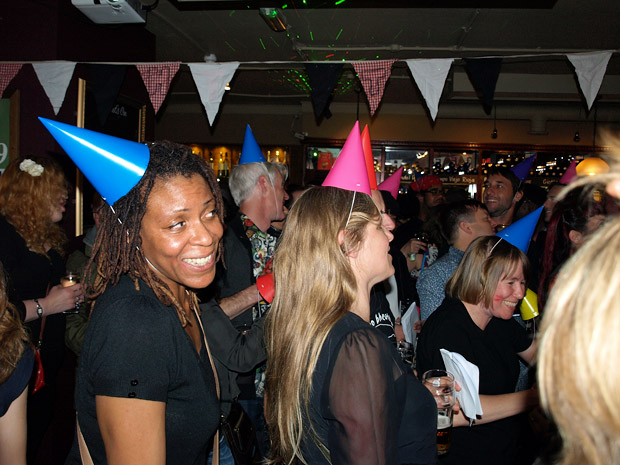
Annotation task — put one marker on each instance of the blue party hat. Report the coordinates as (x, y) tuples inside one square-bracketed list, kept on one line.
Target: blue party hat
[(250, 153), (522, 169), (520, 233), (112, 165)]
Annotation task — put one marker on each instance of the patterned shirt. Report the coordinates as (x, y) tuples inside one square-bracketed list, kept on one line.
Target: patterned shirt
[(263, 247), (432, 281)]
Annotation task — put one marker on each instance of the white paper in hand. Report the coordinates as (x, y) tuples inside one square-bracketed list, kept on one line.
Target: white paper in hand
[(468, 376), (407, 320)]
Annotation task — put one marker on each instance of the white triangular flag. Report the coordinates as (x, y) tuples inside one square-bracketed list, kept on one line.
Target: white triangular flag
[(210, 79), (430, 76), (55, 76), (590, 69)]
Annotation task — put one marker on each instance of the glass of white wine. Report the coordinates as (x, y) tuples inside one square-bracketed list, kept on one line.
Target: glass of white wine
[(71, 279)]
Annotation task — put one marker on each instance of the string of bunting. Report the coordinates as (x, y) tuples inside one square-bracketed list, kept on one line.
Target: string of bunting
[(210, 78)]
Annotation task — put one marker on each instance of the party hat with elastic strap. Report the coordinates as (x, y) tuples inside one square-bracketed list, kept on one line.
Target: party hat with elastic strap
[(522, 170), (112, 165), (529, 305), (520, 233), (251, 152), (570, 174), (392, 184), (370, 163), (349, 171)]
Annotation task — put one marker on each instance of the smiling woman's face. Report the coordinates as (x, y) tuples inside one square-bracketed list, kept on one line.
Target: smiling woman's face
[(181, 232), (510, 290)]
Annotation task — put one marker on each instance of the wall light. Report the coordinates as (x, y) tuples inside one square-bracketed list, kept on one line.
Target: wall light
[(591, 166)]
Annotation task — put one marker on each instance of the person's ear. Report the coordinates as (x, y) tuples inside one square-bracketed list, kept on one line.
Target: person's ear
[(349, 253), (518, 196), (575, 237), (465, 227)]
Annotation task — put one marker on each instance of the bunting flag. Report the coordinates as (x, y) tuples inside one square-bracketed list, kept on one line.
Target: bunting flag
[(55, 76), (322, 77), (590, 69), (430, 76), (106, 83), (157, 78), (210, 79), (483, 74), (373, 76), (7, 72)]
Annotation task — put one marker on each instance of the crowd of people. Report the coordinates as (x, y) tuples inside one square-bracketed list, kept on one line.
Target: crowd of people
[(258, 321)]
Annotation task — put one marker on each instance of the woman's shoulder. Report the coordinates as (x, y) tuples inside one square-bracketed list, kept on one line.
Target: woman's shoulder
[(123, 301)]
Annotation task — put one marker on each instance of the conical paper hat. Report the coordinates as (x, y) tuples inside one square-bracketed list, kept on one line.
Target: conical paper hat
[(250, 153), (349, 171), (570, 174), (112, 165), (370, 163), (529, 305), (392, 184), (522, 169), (520, 233)]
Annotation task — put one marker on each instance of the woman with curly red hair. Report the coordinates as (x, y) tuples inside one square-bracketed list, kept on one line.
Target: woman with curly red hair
[(33, 193)]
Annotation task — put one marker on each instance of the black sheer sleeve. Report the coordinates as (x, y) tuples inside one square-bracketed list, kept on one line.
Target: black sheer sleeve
[(361, 405)]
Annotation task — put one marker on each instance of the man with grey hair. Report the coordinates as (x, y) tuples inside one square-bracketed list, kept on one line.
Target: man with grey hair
[(257, 188)]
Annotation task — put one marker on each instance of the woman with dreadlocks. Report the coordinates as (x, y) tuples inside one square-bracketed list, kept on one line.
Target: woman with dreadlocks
[(146, 391)]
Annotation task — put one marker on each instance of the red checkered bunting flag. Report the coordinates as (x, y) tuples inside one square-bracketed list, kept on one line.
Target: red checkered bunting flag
[(7, 72), (374, 75), (157, 78)]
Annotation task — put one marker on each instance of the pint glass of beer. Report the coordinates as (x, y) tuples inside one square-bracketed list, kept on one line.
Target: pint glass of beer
[(441, 385)]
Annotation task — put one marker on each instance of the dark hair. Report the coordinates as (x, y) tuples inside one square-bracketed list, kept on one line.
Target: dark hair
[(452, 214), (508, 174), (117, 248), (569, 214), (391, 204)]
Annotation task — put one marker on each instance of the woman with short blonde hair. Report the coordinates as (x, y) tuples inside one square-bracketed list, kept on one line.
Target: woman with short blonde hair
[(475, 321)]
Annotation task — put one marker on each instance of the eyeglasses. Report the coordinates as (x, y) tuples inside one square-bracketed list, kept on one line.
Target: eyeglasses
[(436, 191)]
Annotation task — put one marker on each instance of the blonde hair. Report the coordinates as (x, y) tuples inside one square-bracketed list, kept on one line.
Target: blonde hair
[(578, 355), (26, 201), (487, 260), (12, 333), (578, 371), (315, 287)]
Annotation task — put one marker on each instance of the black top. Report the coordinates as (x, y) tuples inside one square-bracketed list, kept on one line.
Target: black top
[(494, 350), (135, 347), (17, 382), (29, 276), (366, 406)]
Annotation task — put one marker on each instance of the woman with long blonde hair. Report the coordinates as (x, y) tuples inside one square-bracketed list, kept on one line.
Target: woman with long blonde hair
[(578, 372), (337, 390)]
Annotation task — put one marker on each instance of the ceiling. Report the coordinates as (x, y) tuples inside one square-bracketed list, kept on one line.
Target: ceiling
[(534, 34)]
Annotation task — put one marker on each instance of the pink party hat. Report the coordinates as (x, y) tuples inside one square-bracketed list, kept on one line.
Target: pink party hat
[(522, 169), (520, 233), (370, 163), (349, 171), (392, 184), (251, 152), (570, 174)]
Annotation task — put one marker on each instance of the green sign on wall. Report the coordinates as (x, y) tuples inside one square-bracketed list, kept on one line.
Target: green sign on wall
[(5, 108)]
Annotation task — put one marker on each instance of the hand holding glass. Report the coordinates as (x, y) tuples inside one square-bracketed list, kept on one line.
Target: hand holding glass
[(71, 279), (441, 385)]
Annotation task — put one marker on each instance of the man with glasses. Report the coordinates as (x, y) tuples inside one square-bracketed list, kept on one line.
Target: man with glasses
[(430, 193)]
